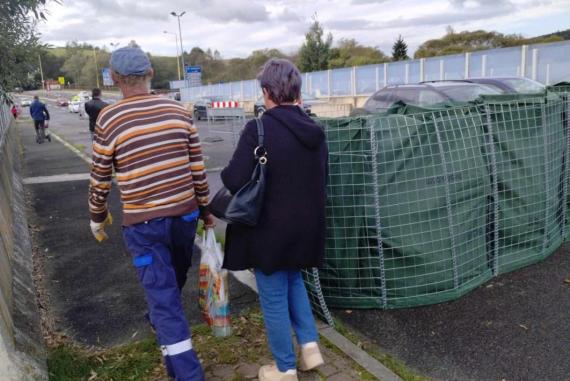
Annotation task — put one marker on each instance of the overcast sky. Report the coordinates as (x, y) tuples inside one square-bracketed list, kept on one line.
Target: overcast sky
[(237, 27)]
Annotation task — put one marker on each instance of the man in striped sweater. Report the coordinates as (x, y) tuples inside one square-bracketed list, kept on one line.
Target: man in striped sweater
[(156, 153)]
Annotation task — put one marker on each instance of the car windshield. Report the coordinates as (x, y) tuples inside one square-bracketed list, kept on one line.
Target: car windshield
[(467, 93), (523, 85)]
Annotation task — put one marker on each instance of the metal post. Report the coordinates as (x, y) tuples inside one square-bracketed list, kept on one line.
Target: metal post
[(467, 65), (484, 65), (534, 69), (524, 50), (377, 77), (42, 73), (422, 69), (441, 70), (181, 44), (354, 81), (96, 67), (329, 82)]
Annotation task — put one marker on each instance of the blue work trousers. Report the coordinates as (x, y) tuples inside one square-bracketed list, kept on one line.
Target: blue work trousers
[(285, 305), (162, 250)]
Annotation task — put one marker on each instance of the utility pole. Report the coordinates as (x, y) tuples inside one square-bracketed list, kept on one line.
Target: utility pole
[(96, 67), (42, 73), (181, 44), (177, 57)]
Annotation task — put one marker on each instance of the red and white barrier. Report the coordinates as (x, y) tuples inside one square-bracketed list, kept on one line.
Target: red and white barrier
[(226, 104)]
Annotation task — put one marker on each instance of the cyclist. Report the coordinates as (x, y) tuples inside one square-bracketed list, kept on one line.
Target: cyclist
[(40, 115)]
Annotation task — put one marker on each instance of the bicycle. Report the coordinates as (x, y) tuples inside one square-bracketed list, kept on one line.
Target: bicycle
[(41, 132)]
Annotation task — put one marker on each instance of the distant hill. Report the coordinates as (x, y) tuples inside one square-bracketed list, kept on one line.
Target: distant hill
[(565, 34)]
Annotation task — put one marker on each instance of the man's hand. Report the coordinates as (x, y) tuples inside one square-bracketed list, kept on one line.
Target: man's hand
[(208, 219), (98, 228)]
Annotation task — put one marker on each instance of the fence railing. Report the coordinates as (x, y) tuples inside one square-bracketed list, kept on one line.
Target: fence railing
[(5, 117), (546, 63)]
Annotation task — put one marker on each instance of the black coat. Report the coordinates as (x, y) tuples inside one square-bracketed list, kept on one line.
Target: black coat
[(290, 234)]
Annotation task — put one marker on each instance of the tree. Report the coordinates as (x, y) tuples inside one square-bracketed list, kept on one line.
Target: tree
[(315, 53), (351, 53), (400, 50), (454, 43), (19, 44)]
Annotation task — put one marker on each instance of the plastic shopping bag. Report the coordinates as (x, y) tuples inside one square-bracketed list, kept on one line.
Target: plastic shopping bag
[(213, 290)]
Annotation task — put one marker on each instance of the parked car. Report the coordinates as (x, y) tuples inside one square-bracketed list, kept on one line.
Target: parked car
[(74, 106), (507, 85), (62, 102), (84, 95), (25, 103), (308, 101), (424, 95), (201, 105)]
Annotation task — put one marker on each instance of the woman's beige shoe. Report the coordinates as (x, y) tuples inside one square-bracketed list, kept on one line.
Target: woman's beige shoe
[(271, 373), (310, 358)]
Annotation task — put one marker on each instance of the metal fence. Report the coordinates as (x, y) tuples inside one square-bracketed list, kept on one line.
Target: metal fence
[(5, 117), (425, 205), (546, 63)]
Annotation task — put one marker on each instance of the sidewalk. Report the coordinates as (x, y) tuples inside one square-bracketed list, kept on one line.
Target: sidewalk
[(90, 295)]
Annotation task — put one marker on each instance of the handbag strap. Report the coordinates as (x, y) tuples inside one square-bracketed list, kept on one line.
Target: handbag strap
[(260, 152), (260, 132)]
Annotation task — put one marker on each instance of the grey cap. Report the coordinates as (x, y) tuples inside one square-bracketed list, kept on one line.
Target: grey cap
[(130, 61)]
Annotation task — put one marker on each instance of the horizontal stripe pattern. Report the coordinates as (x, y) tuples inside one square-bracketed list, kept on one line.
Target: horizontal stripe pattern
[(155, 151)]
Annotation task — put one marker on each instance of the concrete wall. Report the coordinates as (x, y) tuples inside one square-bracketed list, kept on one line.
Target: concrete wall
[(22, 351)]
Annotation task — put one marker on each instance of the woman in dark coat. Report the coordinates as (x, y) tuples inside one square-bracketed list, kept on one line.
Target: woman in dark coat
[(290, 234)]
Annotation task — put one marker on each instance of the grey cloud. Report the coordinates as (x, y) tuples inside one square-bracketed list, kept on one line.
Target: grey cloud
[(368, 1), (236, 10), (351, 24), (288, 16)]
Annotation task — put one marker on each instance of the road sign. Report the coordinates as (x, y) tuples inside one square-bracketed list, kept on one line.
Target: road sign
[(193, 74), (61, 80), (107, 80)]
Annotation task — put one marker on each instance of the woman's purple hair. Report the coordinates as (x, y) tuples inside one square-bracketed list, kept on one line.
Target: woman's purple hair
[(281, 79)]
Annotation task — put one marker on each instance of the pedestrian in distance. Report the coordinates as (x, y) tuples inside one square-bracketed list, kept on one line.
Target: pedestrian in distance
[(155, 151), (40, 115), (93, 108), (14, 111), (290, 233)]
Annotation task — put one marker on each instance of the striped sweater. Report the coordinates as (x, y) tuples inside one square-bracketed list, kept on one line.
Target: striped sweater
[(156, 153)]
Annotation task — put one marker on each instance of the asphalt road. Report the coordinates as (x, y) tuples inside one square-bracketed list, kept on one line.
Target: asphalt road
[(95, 297)]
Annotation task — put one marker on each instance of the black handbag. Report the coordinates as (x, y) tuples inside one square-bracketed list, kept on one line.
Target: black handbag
[(244, 207)]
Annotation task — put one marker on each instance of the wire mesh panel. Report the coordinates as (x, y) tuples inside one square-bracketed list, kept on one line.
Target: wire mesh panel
[(425, 205), (529, 148)]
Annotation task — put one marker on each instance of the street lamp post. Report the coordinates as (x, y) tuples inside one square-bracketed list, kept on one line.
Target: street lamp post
[(181, 44), (177, 58), (96, 66)]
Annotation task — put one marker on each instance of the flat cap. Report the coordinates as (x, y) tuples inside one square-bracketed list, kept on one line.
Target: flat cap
[(130, 61)]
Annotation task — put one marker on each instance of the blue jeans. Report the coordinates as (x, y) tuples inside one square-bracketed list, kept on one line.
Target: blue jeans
[(161, 250), (284, 302)]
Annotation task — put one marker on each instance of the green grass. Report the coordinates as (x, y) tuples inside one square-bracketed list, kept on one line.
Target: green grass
[(389, 361), (142, 360), (135, 361)]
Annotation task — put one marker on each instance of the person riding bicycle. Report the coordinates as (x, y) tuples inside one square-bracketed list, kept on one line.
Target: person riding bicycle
[(40, 115)]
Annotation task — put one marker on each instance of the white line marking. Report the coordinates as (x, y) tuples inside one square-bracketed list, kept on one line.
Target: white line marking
[(56, 178), (72, 148)]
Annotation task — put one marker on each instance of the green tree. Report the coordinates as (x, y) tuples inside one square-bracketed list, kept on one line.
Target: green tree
[(454, 43), (315, 53), (400, 50), (351, 53), (19, 44)]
